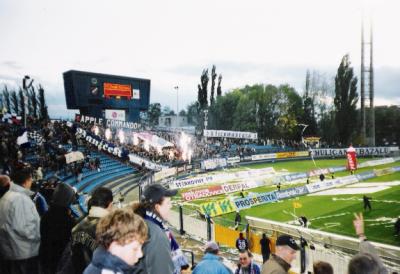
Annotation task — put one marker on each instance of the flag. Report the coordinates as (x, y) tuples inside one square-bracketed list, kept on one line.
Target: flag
[(297, 205), (351, 158), (23, 139)]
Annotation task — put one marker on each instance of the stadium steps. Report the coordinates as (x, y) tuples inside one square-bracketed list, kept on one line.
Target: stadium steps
[(107, 180), (122, 187), (114, 171), (119, 184)]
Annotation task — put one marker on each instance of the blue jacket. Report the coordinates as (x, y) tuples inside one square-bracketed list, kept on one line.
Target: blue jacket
[(211, 264), (105, 262)]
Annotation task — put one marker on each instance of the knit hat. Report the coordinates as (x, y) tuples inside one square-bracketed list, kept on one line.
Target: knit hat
[(154, 193), (287, 240), (211, 246)]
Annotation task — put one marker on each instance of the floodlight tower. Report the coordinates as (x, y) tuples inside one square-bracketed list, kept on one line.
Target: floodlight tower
[(367, 80)]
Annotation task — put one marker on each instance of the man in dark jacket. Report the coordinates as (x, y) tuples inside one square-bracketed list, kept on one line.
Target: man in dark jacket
[(279, 263), (55, 228), (238, 219), (265, 247), (83, 241), (120, 237), (367, 203)]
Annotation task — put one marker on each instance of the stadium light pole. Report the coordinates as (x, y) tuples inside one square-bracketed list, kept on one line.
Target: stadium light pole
[(26, 86), (302, 131), (177, 102)]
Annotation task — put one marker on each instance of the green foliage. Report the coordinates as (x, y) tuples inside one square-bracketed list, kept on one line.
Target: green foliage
[(270, 111), (6, 99), (346, 98), (15, 103), (33, 102), (219, 89), (213, 76), (42, 105), (387, 126), (154, 113)]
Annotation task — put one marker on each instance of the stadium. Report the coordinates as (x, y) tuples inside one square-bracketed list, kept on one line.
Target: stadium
[(258, 170)]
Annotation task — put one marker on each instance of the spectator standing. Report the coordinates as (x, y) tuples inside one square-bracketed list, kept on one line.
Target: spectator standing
[(246, 264), (241, 242), (161, 252), (4, 184), (238, 219), (321, 267), (367, 203), (83, 241), (265, 247), (366, 261), (279, 263), (397, 227), (211, 263), (120, 236), (19, 225), (55, 228)]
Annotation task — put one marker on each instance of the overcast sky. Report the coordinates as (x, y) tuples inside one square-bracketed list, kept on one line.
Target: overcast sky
[(171, 42)]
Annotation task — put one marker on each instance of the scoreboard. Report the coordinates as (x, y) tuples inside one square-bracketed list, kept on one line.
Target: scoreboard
[(93, 93)]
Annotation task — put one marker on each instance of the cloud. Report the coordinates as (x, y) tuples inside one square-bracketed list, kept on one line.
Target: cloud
[(11, 65)]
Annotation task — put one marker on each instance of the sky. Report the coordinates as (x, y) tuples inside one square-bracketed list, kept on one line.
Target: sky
[(171, 42)]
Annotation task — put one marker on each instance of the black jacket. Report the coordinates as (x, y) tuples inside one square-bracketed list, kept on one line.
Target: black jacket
[(55, 232), (83, 243)]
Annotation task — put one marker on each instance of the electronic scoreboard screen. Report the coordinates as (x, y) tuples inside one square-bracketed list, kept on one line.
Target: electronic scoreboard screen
[(119, 90)]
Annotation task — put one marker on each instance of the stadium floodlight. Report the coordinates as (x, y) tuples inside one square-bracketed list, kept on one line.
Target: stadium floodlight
[(177, 102)]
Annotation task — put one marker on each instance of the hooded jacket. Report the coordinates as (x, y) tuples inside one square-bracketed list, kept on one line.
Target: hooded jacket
[(211, 264), (19, 224), (104, 262)]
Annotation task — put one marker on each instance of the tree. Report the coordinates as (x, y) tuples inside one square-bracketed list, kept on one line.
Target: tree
[(14, 102), (42, 104), (154, 113), (167, 111), (219, 89), (192, 113), (33, 102), (309, 108), (345, 101), (6, 96), (387, 131), (203, 89), (213, 76), (21, 96)]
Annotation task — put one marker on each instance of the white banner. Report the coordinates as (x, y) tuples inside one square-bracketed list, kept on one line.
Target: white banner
[(164, 173), (230, 134), (191, 182), (115, 114), (376, 162), (139, 161), (233, 160), (213, 163), (360, 151), (263, 156), (74, 156)]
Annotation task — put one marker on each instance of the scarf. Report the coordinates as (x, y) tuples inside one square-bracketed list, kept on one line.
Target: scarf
[(177, 255)]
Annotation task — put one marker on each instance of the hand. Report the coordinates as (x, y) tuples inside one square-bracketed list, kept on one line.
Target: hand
[(358, 223)]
